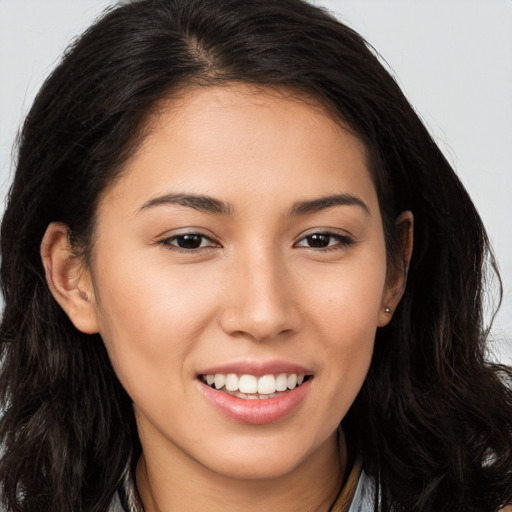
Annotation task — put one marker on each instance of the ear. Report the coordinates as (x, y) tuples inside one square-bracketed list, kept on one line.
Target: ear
[(68, 279), (397, 277)]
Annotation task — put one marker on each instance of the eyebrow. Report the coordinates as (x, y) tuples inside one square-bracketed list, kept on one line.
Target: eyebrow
[(316, 205), (209, 204), (197, 202)]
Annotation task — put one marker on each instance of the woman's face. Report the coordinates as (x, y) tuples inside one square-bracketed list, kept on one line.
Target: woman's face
[(243, 246)]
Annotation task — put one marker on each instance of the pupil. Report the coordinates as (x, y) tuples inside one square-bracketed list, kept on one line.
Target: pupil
[(189, 241), (318, 240)]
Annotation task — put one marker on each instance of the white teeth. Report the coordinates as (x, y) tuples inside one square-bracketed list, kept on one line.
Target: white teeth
[(219, 380), (266, 385), (250, 386), (282, 382), (232, 381), (292, 381)]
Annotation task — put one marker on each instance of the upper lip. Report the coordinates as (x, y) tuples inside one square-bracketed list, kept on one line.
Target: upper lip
[(257, 368)]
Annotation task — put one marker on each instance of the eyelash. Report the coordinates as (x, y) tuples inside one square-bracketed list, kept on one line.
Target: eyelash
[(168, 242), (341, 242)]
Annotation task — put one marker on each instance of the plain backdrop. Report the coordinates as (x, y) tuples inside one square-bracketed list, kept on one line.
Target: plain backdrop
[(453, 58)]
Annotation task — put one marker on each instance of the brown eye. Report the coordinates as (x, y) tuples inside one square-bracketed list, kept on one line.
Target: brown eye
[(188, 241), (325, 241), (318, 240)]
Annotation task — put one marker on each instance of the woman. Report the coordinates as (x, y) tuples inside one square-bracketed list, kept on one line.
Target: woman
[(212, 297)]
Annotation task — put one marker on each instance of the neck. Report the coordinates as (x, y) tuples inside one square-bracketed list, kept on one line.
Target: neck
[(170, 484)]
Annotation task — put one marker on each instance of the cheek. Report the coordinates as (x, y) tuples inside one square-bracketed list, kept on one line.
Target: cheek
[(150, 317), (140, 294), (344, 309), (348, 297), (348, 326)]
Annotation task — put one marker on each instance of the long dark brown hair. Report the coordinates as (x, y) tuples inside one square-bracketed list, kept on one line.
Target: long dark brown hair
[(433, 420)]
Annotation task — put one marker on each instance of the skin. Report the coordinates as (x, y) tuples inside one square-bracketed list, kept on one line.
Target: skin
[(255, 291)]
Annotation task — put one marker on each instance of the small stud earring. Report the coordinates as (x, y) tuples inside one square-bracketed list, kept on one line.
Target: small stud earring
[(387, 310)]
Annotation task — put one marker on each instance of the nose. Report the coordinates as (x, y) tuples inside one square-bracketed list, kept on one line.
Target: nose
[(260, 302)]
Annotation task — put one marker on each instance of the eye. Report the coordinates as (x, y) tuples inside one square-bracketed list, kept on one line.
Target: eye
[(325, 241), (189, 242)]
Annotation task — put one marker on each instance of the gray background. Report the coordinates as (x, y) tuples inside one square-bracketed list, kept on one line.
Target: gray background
[(453, 58)]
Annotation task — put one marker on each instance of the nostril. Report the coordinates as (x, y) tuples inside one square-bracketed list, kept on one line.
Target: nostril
[(258, 324)]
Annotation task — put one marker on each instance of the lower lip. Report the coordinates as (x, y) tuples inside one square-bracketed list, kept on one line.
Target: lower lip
[(259, 411)]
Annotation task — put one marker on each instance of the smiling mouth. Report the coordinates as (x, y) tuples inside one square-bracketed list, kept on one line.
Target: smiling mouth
[(251, 387)]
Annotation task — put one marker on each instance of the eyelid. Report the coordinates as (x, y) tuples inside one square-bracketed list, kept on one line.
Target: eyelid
[(344, 238), (166, 239)]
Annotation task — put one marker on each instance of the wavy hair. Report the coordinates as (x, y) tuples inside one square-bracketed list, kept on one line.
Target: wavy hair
[(433, 420)]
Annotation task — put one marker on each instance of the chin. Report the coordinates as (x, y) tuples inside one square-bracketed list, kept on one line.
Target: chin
[(257, 468), (259, 459)]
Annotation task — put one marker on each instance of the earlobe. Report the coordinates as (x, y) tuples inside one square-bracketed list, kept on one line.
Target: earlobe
[(385, 315), (69, 281), (397, 279)]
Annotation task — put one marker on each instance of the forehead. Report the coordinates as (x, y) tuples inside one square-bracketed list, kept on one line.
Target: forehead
[(227, 140)]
